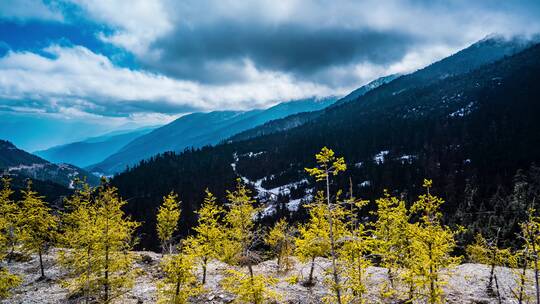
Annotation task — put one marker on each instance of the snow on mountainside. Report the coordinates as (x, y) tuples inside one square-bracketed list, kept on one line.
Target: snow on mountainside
[(14, 161)]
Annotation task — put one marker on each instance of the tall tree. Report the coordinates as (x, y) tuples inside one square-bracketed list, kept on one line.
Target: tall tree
[(280, 238), (98, 237), (313, 240), (328, 164), (207, 243), (167, 221), (390, 238), (179, 282), (38, 225), (432, 244), (7, 209)]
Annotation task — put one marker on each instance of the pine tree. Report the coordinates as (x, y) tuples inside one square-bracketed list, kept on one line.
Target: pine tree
[(488, 253), (98, 238), (9, 211), (7, 280), (530, 232), (179, 282), (313, 240), (250, 288), (38, 225), (241, 234), (389, 232), (280, 238), (354, 259), (329, 164), (207, 243), (432, 244), (167, 221)]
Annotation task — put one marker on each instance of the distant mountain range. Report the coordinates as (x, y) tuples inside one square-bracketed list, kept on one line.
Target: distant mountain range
[(468, 120), (91, 150), (19, 163), (200, 129)]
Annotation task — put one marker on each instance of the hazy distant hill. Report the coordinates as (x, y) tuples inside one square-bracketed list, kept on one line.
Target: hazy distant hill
[(91, 150), (200, 129)]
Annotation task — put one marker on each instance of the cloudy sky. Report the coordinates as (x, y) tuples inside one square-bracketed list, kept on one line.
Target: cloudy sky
[(80, 67)]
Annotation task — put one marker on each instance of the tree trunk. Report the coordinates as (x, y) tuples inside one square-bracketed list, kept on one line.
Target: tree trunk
[(106, 283), (310, 280), (205, 262), (88, 270), (332, 242), (41, 264)]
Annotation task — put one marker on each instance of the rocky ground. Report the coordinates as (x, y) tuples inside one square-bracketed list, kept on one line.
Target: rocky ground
[(467, 283)]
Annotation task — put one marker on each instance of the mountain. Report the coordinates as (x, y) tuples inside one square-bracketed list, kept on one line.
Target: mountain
[(200, 129), (301, 118), (20, 163), (484, 51), (91, 150), (471, 129)]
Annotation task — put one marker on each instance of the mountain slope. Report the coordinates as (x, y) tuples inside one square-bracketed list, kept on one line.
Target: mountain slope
[(484, 51), (480, 126), (301, 118), (14, 161), (91, 150), (200, 129)]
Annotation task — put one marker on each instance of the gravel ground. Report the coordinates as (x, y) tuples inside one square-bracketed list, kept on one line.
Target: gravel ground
[(466, 284)]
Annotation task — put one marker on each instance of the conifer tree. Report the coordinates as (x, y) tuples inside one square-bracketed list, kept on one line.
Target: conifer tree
[(167, 221), (207, 243), (280, 238), (9, 211), (238, 249), (241, 234), (389, 232), (7, 280), (252, 289), (313, 240), (98, 237), (179, 282), (328, 164), (530, 232), (432, 244), (488, 253), (38, 225)]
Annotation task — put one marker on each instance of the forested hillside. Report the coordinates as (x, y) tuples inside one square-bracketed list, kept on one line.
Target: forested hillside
[(471, 132)]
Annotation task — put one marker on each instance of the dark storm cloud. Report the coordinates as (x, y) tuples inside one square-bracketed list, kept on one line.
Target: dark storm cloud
[(196, 52)]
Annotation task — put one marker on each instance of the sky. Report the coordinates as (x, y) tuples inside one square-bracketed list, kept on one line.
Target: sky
[(76, 68)]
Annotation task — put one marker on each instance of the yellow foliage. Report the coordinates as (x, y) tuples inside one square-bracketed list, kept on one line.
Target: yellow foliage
[(179, 282), (98, 238), (281, 240), (167, 220), (254, 289)]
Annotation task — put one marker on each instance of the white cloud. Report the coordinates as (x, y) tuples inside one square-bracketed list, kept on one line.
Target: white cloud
[(29, 9), (74, 81)]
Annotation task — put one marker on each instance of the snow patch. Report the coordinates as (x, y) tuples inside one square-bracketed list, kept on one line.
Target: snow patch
[(466, 110), (379, 157)]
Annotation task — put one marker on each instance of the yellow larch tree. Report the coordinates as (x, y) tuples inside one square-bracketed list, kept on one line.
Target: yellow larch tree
[(7, 207), (488, 253), (38, 225), (179, 282), (97, 239), (168, 216), (432, 244), (238, 249), (280, 238), (210, 235), (313, 239), (329, 165), (11, 214), (390, 239)]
